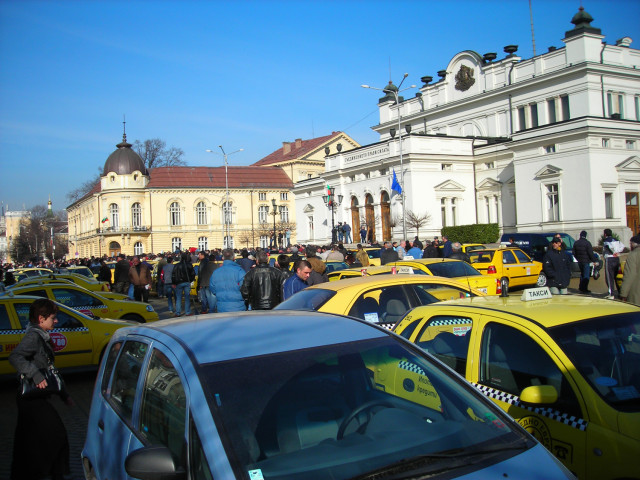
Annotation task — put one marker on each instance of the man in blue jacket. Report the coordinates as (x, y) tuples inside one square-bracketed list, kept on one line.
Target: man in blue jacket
[(298, 281), (225, 284)]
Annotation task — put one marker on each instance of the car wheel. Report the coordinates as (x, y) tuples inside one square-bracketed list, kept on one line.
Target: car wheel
[(133, 317), (504, 285), (542, 280)]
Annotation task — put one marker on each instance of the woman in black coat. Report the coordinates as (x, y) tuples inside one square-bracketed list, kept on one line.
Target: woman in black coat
[(40, 446)]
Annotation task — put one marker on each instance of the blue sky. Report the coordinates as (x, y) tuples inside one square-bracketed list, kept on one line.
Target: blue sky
[(244, 74)]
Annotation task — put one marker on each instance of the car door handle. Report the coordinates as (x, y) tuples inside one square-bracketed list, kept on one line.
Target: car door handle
[(100, 425)]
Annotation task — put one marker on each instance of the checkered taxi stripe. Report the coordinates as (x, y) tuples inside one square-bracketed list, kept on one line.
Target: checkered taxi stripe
[(58, 330), (569, 420), (450, 321), (412, 367)]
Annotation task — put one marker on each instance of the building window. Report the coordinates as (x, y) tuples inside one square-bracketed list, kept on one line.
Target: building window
[(227, 213), (637, 105), (615, 102), (174, 214), (176, 244), (631, 144), (367, 175), (606, 143), (310, 227), (608, 205), (284, 196), (264, 241), (228, 242), (114, 216), (489, 165), (453, 212), (352, 178), (201, 214), (309, 175), (487, 204), (553, 202), (443, 211), (136, 215), (203, 243), (383, 172), (446, 167), (284, 213), (522, 118), (137, 248), (551, 110), (550, 148), (564, 105), (262, 196), (263, 214), (533, 108)]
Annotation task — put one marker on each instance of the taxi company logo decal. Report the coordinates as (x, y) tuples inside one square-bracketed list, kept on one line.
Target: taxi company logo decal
[(538, 429), (59, 341)]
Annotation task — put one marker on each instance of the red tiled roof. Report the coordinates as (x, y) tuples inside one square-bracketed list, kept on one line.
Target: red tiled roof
[(306, 146), (214, 177)]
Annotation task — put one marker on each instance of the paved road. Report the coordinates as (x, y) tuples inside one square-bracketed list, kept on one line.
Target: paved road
[(80, 386)]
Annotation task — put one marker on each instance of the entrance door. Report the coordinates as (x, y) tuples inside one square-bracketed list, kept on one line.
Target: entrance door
[(633, 214), (355, 219), (114, 249), (385, 212), (370, 218)]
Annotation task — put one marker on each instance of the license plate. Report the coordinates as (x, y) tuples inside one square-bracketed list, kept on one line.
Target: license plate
[(483, 290)]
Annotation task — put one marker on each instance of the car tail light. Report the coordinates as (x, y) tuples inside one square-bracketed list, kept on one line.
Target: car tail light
[(498, 287), (491, 270)]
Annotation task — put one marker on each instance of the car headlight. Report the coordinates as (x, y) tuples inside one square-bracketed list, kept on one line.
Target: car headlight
[(149, 308)]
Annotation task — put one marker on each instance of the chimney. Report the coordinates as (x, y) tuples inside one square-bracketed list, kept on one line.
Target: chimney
[(286, 147), (298, 142)]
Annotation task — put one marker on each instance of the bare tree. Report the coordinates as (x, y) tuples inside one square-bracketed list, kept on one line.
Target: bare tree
[(244, 236), (154, 153), (417, 220)]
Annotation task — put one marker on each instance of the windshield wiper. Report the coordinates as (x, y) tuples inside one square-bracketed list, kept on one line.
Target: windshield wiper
[(456, 458)]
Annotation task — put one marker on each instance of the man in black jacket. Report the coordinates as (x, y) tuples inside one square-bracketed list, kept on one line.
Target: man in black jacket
[(262, 285), (121, 275), (583, 251), (388, 254), (557, 268)]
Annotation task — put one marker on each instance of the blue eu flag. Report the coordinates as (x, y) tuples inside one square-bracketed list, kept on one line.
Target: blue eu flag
[(395, 185)]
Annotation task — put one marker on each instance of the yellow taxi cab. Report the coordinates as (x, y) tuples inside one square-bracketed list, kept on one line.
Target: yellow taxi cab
[(567, 368), (510, 266), (78, 340), (22, 273), (372, 252), (80, 270), (80, 280), (380, 299), (454, 269), (88, 302), (367, 271)]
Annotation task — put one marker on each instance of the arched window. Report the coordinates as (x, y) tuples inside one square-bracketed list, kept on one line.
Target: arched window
[(138, 249), (227, 214), (284, 213), (263, 214), (264, 241), (174, 214), (228, 242), (203, 243), (201, 214), (114, 217), (136, 215), (176, 244)]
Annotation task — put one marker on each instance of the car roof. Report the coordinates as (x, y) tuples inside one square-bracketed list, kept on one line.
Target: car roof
[(227, 336), (385, 280), (558, 310)]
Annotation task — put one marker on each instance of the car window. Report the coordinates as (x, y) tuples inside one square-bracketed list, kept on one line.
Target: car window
[(522, 257), (22, 310), (75, 299), (447, 338), (483, 256), (125, 378), (108, 368), (5, 322), (67, 321), (508, 257), (35, 293), (199, 468), (382, 305), (163, 408), (308, 299), (511, 361), (452, 269), (429, 292)]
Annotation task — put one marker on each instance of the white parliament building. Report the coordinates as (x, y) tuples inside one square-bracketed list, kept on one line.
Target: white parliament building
[(549, 143)]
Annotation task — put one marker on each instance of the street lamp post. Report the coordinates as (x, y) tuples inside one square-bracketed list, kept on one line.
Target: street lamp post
[(226, 211), (274, 213), (395, 91), (331, 203)]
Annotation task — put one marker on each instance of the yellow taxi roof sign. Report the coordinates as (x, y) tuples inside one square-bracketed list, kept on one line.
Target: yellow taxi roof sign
[(540, 293)]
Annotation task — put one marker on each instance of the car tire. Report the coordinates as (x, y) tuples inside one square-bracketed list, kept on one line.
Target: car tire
[(504, 285), (542, 280), (133, 317)]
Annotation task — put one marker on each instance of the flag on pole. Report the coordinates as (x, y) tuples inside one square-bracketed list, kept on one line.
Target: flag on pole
[(395, 185), (328, 190), (105, 219)]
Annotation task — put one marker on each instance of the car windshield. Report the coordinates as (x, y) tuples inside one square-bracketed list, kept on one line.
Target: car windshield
[(346, 410), (373, 253), (308, 299), (606, 351), (452, 269), (481, 256)]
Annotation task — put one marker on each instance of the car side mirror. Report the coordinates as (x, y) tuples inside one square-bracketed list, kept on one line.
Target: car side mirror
[(539, 395), (153, 462)]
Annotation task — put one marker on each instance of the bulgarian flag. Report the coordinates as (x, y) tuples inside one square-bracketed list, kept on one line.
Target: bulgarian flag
[(105, 219), (328, 190)]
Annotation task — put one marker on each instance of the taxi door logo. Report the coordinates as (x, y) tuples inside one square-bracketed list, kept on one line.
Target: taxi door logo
[(59, 341), (538, 429)]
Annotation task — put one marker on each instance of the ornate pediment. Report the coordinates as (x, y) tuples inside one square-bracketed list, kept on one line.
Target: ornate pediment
[(308, 208), (631, 164), (489, 184), (548, 171), (449, 186)]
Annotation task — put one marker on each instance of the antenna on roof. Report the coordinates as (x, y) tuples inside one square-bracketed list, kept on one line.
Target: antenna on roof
[(124, 128), (533, 38)]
